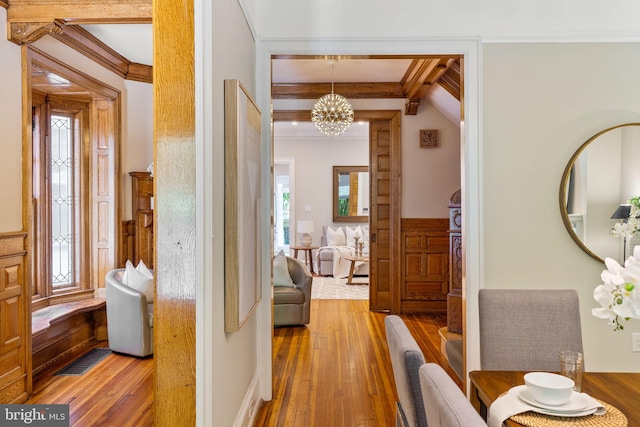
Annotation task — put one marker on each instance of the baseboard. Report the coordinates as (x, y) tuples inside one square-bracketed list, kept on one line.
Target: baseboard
[(250, 405)]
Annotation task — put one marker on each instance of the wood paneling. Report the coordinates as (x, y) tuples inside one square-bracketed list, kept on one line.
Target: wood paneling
[(142, 214), (425, 265), (15, 318), (174, 212), (63, 331), (385, 167)]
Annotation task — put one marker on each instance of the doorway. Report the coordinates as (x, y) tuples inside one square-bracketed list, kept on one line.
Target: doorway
[(470, 155), (283, 202)]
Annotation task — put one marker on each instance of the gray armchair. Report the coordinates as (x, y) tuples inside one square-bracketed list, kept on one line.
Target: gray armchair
[(292, 305), (129, 317)]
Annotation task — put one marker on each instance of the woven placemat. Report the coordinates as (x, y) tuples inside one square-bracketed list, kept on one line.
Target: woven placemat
[(612, 418)]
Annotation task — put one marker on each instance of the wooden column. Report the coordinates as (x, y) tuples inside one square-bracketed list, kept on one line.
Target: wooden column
[(174, 213), (454, 297)]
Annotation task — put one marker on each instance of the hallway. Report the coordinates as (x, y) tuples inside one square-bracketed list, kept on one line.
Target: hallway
[(336, 371)]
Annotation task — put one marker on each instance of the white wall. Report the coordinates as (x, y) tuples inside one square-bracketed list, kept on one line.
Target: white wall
[(11, 125), (227, 366), (315, 157), (137, 136), (333, 20), (534, 117), (429, 175)]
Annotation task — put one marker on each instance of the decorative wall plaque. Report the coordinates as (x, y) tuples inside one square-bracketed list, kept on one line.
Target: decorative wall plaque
[(428, 138)]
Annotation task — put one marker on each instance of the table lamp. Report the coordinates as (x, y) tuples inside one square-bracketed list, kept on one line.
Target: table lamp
[(622, 212), (304, 228)]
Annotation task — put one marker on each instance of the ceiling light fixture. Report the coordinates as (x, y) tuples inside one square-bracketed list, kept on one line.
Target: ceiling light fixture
[(332, 114)]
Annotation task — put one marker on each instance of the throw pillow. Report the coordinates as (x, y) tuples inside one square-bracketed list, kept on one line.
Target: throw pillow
[(139, 278), (336, 237), (365, 236), (281, 276)]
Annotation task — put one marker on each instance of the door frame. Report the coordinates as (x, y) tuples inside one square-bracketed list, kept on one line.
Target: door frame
[(395, 196), (471, 168)]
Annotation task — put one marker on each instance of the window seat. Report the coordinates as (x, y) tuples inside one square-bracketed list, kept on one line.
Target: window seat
[(42, 318), (63, 331)]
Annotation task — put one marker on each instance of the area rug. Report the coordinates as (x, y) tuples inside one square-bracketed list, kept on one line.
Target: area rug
[(332, 288), (84, 363)]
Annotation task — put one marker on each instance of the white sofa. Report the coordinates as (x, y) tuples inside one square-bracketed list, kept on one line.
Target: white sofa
[(335, 244)]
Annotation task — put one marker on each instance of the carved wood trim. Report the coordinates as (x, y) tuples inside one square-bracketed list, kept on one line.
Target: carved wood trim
[(411, 107), (83, 42), (29, 32), (87, 44)]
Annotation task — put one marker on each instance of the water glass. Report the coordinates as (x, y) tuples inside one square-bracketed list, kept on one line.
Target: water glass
[(572, 366)]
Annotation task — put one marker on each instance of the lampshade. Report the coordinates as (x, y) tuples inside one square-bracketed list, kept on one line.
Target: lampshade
[(305, 226), (332, 114), (622, 212)]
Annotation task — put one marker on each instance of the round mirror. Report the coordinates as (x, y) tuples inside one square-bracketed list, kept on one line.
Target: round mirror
[(601, 175)]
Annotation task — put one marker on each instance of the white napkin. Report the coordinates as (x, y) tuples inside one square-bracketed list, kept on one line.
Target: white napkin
[(510, 404)]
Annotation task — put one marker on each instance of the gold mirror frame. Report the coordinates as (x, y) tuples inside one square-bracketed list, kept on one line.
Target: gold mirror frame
[(337, 171), (563, 190)]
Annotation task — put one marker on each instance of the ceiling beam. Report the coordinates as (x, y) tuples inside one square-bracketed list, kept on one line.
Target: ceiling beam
[(420, 76), (80, 11), (372, 90)]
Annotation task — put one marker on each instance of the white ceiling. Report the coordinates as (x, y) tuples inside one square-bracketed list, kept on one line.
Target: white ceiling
[(306, 130), (133, 41), (344, 70)]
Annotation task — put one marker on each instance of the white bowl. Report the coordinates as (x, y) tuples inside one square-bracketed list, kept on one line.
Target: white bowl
[(550, 389)]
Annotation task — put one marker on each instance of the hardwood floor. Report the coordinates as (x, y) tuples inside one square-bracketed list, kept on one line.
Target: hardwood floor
[(336, 371), (117, 392)]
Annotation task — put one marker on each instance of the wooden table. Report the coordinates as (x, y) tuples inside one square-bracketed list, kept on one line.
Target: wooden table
[(353, 260), (308, 254), (621, 390)]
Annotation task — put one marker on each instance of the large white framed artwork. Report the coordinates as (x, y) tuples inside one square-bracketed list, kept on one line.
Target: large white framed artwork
[(242, 136)]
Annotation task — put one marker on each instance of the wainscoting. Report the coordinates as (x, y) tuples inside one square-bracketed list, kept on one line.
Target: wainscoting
[(425, 265)]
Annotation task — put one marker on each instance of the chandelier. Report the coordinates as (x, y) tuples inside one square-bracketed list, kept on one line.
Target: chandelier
[(332, 114)]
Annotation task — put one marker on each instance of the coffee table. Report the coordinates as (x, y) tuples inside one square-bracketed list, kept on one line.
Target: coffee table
[(353, 260)]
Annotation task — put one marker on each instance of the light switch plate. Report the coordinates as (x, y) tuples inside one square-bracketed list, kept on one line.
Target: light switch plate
[(635, 341)]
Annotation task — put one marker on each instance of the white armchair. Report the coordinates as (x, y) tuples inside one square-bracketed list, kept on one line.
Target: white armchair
[(129, 317)]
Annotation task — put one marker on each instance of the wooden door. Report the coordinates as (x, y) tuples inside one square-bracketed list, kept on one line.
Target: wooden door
[(384, 215)]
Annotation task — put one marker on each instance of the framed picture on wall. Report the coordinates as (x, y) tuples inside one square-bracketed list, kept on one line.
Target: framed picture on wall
[(428, 138), (242, 137)]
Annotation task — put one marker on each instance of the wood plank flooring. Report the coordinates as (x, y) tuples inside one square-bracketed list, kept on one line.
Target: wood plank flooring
[(117, 392), (336, 371)]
